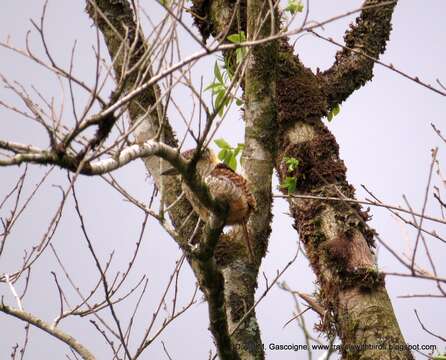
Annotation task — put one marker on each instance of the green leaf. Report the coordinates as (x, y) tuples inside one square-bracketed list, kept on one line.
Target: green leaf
[(294, 6), (336, 110), (239, 102), (227, 67), (228, 154), (222, 144), (232, 163), (210, 86), (216, 88), (219, 102), (217, 73), (239, 55), (290, 183), (292, 163), (237, 38), (333, 112), (234, 38), (222, 154)]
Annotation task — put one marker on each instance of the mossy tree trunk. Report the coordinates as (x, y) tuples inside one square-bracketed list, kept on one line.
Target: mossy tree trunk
[(285, 103)]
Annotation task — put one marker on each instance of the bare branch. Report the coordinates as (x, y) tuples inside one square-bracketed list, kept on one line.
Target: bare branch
[(53, 331)]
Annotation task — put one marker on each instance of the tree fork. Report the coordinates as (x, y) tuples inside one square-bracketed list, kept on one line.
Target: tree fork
[(115, 19), (336, 237)]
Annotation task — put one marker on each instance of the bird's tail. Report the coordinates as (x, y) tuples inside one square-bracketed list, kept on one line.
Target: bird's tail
[(248, 242)]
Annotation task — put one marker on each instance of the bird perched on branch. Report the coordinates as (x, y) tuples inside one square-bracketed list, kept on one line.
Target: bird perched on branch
[(224, 185)]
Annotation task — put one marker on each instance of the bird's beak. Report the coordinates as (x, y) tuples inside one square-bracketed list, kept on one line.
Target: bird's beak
[(170, 172)]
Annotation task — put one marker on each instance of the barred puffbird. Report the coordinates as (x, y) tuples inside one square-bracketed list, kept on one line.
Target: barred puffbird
[(225, 185)]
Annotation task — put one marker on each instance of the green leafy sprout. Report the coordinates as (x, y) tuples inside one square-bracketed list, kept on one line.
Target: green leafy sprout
[(219, 88), (228, 154), (290, 182), (240, 52), (291, 163), (333, 112), (223, 75), (294, 6)]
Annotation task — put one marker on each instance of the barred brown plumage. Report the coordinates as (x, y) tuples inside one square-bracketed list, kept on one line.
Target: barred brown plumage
[(225, 185)]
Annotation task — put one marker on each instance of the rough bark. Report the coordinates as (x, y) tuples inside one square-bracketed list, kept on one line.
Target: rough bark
[(257, 162), (368, 35), (116, 21), (336, 237)]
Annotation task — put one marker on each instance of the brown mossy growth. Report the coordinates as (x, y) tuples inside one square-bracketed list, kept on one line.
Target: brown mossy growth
[(228, 250), (354, 78), (200, 11), (265, 69), (368, 35), (319, 163), (119, 9), (328, 297), (239, 22), (236, 306), (308, 224), (350, 216), (230, 64), (261, 242), (369, 30), (68, 162), (338, 250), (327, 323), (299, 94), (208, 20), (365, 279), (368, 233)]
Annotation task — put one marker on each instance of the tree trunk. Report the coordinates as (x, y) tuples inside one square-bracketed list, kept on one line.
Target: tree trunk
[(336, 237), (282, 123)]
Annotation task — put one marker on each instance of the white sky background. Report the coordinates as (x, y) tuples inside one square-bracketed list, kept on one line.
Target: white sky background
[(385, 139)]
